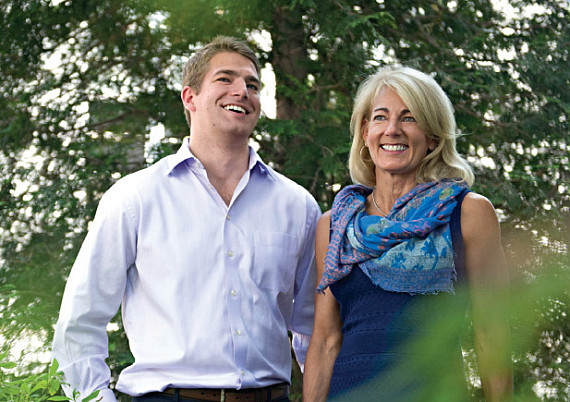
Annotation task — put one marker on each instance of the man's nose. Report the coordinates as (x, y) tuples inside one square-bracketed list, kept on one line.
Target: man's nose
[(240, 88)]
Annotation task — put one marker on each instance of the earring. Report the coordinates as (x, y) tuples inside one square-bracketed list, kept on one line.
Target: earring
[(362, 157)]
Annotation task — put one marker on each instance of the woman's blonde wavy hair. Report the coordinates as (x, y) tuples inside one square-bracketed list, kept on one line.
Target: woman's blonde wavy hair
[(433, 112)]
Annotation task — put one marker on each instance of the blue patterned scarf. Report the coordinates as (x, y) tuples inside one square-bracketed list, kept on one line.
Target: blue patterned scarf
[(409, 250)]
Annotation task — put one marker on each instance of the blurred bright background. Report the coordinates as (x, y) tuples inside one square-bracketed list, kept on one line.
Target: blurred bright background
[(89, 92)]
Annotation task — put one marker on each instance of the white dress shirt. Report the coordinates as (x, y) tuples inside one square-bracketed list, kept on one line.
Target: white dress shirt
[(208, 291)]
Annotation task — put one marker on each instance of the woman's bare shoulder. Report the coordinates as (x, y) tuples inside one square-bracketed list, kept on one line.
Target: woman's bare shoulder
[(323, 227), (325, 218), (479, 221), (476, 207)]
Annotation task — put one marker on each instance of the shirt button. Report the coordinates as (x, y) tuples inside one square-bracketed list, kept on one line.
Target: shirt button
[(228, 217), (230, 253), (238, 332), (242, 372), (233, 293)]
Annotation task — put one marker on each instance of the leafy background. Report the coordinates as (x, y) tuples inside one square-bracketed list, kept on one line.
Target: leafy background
[(83, 83)]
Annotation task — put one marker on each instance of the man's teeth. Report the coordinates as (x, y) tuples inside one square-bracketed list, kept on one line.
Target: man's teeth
[(387, 147), (235, 108)]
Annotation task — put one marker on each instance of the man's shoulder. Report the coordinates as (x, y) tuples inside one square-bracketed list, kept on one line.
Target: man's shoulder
[(143, 179), (288, 185), (293, 194)]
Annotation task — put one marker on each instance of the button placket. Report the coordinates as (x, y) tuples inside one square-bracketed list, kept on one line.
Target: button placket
[(233, 258)]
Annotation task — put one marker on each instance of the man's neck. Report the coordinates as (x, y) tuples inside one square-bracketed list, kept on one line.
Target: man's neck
[(225, 162)]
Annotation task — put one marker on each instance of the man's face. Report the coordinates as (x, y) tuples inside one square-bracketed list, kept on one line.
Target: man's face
[(228, 100)]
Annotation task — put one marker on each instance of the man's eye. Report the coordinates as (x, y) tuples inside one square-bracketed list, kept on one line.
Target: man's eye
[(223, 79), (253, 87)]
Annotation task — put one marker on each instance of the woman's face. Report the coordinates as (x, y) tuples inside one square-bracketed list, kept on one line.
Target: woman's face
[(396, 143)]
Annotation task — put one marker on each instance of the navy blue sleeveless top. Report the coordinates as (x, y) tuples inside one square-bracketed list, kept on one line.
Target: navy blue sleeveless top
[(397, 346)]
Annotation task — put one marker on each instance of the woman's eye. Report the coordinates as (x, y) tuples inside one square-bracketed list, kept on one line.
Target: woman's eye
[(379, 117), (409, 119)]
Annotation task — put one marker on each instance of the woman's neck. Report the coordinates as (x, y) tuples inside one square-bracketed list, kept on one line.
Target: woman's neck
[(390, 187)]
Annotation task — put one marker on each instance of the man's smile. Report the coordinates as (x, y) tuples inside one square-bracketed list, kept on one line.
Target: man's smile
[(236, 109)]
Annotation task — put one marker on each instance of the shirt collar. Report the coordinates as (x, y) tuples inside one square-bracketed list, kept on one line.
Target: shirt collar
[(256, 162), (182, 155), (185, 154)]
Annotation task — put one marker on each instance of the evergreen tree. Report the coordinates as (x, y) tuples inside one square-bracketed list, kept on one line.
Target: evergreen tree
[(83, 82)]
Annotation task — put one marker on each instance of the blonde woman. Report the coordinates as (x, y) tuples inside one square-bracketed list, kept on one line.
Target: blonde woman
[(392, 252)]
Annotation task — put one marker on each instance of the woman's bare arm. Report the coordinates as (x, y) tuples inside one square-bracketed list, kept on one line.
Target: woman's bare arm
[(489, 287), (327, 336)]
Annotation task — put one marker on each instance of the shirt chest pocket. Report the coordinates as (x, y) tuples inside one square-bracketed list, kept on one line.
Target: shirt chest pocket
[(275, 260)]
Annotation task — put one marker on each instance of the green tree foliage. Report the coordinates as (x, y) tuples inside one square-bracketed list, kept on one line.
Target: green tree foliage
[(83, 82), (44, 386)]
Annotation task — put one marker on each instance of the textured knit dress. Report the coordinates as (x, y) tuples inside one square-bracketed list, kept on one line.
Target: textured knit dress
[(398, 346)]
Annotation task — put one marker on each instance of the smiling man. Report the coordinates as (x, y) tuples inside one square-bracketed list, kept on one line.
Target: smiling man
[(210, 252)]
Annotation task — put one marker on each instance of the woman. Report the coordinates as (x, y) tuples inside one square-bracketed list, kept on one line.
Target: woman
[(394, 248)]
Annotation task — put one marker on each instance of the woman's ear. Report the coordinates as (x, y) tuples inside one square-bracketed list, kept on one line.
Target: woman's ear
[(364, 130), (432, 144)]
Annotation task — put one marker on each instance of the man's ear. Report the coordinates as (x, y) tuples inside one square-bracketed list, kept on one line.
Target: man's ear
[(188, 96)]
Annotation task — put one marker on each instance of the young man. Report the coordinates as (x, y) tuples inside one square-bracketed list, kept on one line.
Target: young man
[(210, 252)]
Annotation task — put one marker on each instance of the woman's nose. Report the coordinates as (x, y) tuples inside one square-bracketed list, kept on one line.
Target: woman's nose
[(393, 127)]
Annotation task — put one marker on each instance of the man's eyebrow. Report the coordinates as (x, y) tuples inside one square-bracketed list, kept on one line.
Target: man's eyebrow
[(233, 73)]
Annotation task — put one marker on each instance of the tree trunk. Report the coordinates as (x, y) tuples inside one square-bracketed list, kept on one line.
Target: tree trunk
[(289, 59)]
